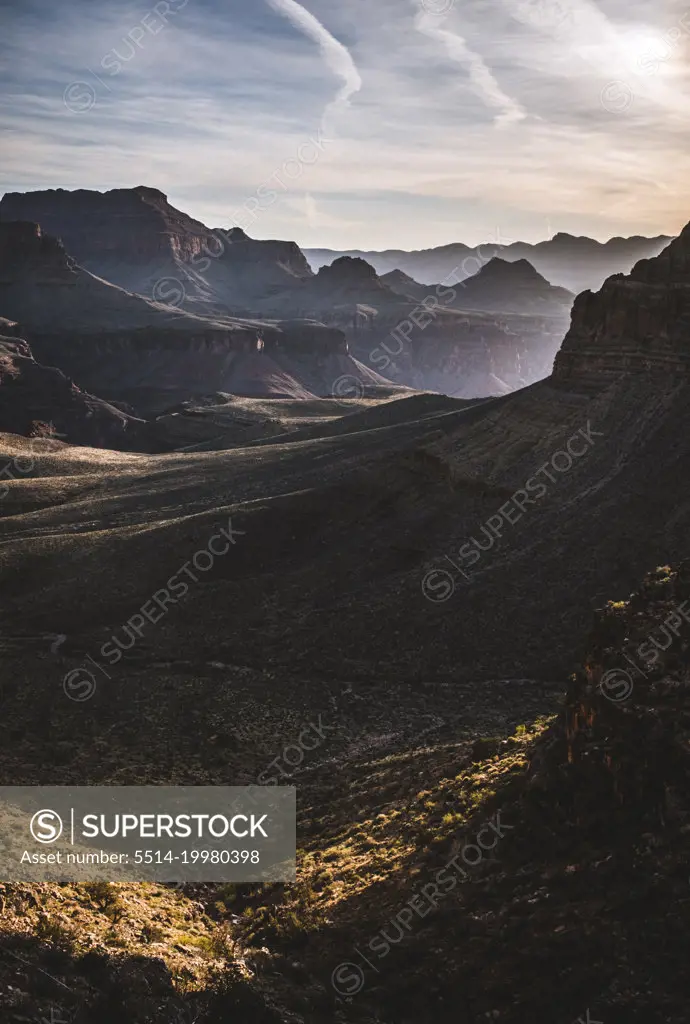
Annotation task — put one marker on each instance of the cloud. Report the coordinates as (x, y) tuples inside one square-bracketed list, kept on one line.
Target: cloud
[(481, 79), (211, 106), (336, 55)]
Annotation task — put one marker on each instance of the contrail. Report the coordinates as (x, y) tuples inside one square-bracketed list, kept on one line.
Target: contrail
[(482, 81), (334, 53)]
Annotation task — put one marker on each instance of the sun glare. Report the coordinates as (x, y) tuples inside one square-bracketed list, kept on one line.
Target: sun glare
[(646, 51)]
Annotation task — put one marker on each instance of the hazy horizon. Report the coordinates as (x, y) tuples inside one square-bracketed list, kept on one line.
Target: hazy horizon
[(410, 125), (494, 237)]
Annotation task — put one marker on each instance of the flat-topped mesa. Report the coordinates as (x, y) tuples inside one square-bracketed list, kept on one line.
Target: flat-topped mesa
[(136, 239), (101, 229), (635, 323), (132, 224)]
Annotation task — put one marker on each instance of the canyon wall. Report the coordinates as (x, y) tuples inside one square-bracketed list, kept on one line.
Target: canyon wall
[(635, 323)]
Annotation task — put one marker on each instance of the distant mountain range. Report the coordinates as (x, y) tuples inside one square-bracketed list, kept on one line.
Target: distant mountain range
[(573, 262), (140, 304), (137, 240)]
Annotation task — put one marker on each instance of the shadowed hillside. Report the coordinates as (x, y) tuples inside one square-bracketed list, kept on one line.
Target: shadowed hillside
[(419, 579)]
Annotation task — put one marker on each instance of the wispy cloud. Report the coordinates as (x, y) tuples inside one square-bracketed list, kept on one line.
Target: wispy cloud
[(213, 104), (482, 80), (336, 55)]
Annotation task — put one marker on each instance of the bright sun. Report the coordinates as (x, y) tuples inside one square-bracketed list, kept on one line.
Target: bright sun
[(646, 51)]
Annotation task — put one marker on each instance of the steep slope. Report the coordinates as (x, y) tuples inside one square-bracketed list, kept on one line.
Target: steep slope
[(41, 400), (41, 285), (136, 239), (620, 495), (537, 874), (571, 262), (571, 905)]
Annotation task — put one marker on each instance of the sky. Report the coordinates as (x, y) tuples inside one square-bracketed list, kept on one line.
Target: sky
[(365, 124)]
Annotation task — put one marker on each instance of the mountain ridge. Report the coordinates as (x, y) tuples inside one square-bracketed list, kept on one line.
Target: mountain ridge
[(137, 240), (553, 258)]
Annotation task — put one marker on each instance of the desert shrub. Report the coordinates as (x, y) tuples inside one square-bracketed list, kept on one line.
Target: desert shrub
[(219, 944), (152, 933), (56, 932), (105, 896), (40, 428), (234, 998)]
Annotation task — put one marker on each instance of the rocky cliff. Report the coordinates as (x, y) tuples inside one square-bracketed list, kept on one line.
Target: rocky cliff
[(466, 353), (498, 331), (635, 323), (38, 400), (124, 347), (136, 239)]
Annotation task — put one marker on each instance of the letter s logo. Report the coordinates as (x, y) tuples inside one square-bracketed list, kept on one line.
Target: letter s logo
[(46, 826)]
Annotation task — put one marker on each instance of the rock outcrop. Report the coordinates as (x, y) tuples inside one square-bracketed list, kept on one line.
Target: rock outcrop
[(405, 285), (354, 279), (500, 286), (635, 323)]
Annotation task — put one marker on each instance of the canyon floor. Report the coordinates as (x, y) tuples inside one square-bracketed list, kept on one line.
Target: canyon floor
[(343, 601)]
